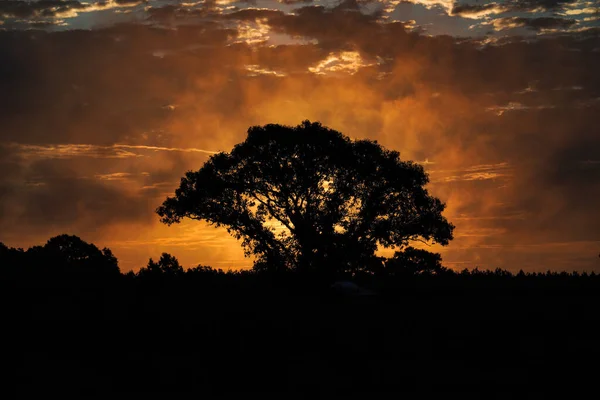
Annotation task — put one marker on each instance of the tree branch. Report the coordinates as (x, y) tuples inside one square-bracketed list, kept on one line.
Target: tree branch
[(274, 214), (422, 241)]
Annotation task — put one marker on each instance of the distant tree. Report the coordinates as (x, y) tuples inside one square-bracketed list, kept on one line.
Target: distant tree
[(70, 253), (412, 261), (167, 267), (8, 253), (206, 277), (502, 273), (204, 270), (10, 259), (306, 197)]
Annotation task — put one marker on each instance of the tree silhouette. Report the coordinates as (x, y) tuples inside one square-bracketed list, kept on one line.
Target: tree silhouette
[(412, 261), (167, 267), (72, 255), (306, 197)]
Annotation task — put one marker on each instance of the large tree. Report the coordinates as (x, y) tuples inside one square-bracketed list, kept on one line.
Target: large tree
[(309, 197)]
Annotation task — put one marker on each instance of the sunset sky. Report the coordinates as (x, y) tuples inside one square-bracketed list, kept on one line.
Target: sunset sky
[(105, 105)]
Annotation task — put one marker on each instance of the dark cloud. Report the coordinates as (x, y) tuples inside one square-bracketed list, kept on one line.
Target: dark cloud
[(164, 13), (537, 24), (550, 194), (91, 81), (50, 195), (45, 8), (471, 9), (252, 14), (527, 5), (510, 6), (294, 1), (333, 28), (175, 14)]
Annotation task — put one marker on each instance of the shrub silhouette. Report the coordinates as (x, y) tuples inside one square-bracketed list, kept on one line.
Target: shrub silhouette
[(311, 199)]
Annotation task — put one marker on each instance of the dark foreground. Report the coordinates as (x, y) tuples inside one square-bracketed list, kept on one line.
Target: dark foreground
[(486, 341)]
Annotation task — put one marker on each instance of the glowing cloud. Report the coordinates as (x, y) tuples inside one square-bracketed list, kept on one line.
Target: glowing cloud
[(58, 151), (349, 62), (477, 11), (255, 70), (253, 33), (116, 176)]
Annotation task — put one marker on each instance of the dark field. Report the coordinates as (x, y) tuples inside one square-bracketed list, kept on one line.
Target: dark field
[(463, 339)]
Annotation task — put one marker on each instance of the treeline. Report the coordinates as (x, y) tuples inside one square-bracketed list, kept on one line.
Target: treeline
[(62, 260), (67, 260)]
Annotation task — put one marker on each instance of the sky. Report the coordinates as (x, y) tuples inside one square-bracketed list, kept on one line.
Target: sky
[(104, 105)]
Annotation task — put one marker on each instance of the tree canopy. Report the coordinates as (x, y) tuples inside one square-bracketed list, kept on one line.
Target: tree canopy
[(167, 267), (309, 197), (64, 258)]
